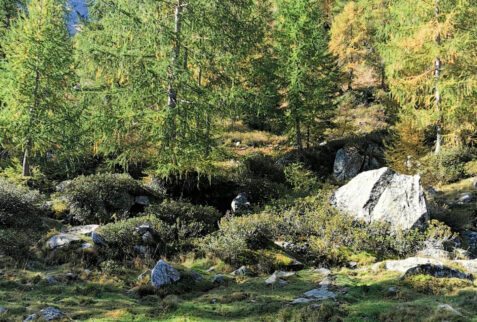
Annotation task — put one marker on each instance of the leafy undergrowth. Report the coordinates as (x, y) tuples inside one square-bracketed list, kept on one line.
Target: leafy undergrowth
[(362, 296)]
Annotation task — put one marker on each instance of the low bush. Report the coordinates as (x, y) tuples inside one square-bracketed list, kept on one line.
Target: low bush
[(189, 220), (312, 224), (103, 198), (19, 206), (16, 243), (123, 236), (449, 165)]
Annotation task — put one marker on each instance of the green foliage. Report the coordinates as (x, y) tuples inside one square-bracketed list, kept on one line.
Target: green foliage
[(302, 180), (20, 207), (190, 221), (102, 198), (330, 236), (308, 76), (37, 116), (449, 165), (17, 242), (158, 92), (122, 236)]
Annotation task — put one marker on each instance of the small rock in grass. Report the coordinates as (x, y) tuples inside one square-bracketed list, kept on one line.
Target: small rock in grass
[(62, 240), (143, 275), (352, 264), (71, 276), (51, 280), (51, 313), (31, 317), (213, 301), (164, 274), (2, 310), (196, 276), (86, 246), (282, 282), (272, 279), (320, 293), (448, 308), (242, 271), (219, 279), (302, 300), (465, 198)]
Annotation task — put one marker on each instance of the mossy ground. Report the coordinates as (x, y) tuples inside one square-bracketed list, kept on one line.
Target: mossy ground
[(363, 295)]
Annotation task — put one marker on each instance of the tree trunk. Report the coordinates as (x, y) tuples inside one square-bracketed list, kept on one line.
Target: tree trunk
[(26, 163), (299, 142), (437, 96)]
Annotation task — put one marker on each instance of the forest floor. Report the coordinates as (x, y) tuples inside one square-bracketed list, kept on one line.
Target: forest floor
[(362, 295)]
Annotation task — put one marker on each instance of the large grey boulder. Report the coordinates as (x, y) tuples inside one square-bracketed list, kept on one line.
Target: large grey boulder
[(62, 240), (348, 163), (384, 195), (163, 274)]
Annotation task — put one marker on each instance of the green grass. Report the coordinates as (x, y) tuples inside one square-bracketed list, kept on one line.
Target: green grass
[(363, 295)]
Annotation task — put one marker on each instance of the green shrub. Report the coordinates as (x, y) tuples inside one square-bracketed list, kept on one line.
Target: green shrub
[(259, 165), (449, 165), (121, 237), (301, 179), (19, 206), (103, 198), (16, 243), (190, 220), (311, 224)]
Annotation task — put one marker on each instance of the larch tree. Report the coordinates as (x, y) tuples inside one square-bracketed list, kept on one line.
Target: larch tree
[(308, 75), (160, 73), (37, 79), (431, 65)]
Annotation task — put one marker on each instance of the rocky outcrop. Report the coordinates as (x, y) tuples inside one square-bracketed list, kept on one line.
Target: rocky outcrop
[(62, 240), (348, 163), (384, 195), (439, 271), (164, 274), (349, 160)]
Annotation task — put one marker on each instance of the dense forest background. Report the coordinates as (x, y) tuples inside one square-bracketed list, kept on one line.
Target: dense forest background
[(157, 83)]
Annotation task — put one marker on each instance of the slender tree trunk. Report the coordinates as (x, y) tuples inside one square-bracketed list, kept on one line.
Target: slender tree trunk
[(437, 96), (172, 91), (173, 70), (26, 163), (308, 137), (299, 142)]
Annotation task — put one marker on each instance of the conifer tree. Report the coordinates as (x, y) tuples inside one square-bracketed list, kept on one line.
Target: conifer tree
[(431, 65), (159, 73), (37, 77), (308, 75)]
